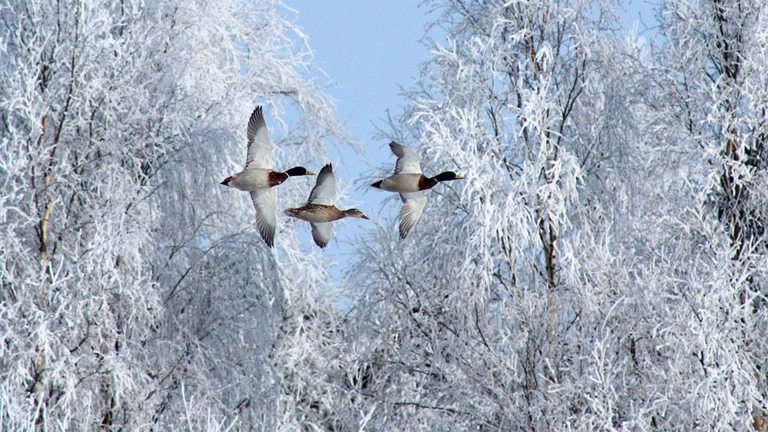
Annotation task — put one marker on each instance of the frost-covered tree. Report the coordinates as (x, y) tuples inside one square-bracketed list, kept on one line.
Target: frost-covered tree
[(479, 320), (602, 268), (134, 291), (704, 257)]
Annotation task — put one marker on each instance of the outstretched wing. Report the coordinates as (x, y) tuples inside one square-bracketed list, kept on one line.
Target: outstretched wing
[(413, 206), (259, 146), (325, 187), (265, 202), (408, 161), (321, 232)]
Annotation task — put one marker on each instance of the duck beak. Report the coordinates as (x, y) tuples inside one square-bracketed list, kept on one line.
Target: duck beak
[(310, 173), (458, 177), (365, 217)]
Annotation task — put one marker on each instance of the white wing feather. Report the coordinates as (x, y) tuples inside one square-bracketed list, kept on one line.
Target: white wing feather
[(259, 145), (413, 206), (325, 187), (321, 232), (265, 202), (408, 161)]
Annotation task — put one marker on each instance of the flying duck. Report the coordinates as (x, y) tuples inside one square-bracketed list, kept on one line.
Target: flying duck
[(319, 210), (258, 178), (409, 182)]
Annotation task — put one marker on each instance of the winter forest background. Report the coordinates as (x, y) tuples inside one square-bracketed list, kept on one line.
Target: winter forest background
[(603, 267)]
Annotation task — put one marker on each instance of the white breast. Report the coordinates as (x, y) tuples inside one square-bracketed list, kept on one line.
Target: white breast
[(401, 183), (251, 179)]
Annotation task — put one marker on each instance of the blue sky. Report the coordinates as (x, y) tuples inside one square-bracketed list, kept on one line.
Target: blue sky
[(368, 49)]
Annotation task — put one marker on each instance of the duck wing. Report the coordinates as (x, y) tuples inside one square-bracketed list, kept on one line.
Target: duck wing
[(325, 187), (413, 206), (408, 161), (321, 232), (259, 145), (265, 202)]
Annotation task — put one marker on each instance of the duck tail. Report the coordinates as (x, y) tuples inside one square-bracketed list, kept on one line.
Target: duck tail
[(377, 183)]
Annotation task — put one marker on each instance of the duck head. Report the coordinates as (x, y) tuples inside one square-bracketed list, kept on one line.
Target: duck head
[(354, 213), (227, 180), (298, 171), (447, 176)]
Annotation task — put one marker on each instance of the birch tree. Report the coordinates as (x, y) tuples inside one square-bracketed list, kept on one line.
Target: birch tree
[(134, 291), (480, 321), (707, 125), (602, 268)]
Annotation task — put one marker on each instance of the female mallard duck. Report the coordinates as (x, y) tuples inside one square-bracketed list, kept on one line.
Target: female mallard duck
[(258, 178), (319, 210), (409, 182)]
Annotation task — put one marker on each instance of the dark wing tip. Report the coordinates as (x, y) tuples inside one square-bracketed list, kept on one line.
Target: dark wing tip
[(325, 172), (256, 115), (320, 241), (403, 234), (318, 237), (269, 237), (328, 168), (266, 230), (406, 226), (396, 148), (256, 122)]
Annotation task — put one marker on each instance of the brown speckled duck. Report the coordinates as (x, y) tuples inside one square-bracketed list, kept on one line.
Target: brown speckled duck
[(319, 210), (258, 178), (409, 182)]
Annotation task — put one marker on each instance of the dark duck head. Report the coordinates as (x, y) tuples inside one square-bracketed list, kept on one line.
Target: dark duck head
[(276, 178), (298, 171), (430, 182)]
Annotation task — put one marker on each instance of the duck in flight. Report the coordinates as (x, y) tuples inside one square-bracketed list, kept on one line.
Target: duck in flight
[(319, 210), (258, 178), (409, 182)]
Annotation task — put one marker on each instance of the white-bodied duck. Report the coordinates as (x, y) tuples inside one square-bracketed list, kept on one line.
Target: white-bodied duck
[(409, 182), (319, 210), (258, 178)]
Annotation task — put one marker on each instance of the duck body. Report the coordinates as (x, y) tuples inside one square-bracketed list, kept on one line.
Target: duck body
[(319, 210), (322, 213), (405, 182), (251, 179)]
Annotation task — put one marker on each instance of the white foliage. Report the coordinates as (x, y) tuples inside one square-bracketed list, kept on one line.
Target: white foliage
[(601, 267), (581, 278), (149, 277)]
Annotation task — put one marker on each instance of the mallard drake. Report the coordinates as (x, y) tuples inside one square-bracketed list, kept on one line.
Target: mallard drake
[(258, 178), (319, 210), (408, 176), (409, 182)]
